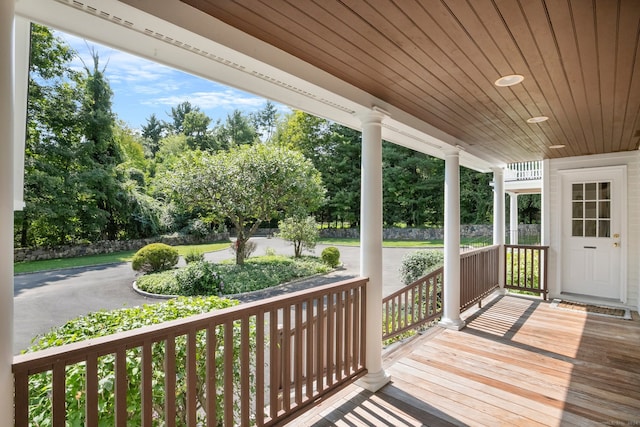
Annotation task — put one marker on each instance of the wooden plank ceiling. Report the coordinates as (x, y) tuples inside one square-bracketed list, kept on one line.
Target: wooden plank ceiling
[(438, 60)]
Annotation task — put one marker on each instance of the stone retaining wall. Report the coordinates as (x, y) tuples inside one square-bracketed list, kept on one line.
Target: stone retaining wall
[(109, 246), (466, 231)]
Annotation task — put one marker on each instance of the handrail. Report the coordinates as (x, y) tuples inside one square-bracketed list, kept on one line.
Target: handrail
[(414, 305), (309, 341), (479, 274), (421, 302), (526, 268)]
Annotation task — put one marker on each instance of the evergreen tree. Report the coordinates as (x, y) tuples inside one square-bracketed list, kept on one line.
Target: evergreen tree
[(99, 155), (265, 121), (237, 130), (152, 132), (178, 115)]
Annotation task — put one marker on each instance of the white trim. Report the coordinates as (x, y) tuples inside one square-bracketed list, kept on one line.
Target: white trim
[(545, 201), (7, 123), (620, 170), (21, 66)]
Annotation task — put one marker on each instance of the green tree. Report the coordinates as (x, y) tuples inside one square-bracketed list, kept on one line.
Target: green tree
[(235, 131), (301, 232), (413, 187), (178, 114), (196, 128), (265, 121), (99, 155), (335, 151), (476, 197), (247, 185), (152, 132), (52, 134)]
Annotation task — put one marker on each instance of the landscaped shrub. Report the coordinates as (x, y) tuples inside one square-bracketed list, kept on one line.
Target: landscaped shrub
[(255, 274), (331, 256), (155, 257), (248, 248), (199, 278), (302, 232), (418, 264), (108, 322), (194, 255)]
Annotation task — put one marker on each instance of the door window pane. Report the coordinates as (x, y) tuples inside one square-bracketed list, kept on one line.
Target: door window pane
[(590, 191), (577, 192), (604, 191), (590, 210), (604, 228), (577, 210), (576, 228), (590, 228), (604, 210)]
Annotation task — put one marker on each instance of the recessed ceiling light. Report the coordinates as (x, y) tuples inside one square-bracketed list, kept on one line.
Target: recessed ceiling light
[(556, 146), (537, 119), (510, 80)]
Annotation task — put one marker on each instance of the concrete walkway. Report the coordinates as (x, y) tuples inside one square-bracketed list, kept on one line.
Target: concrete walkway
[(48, 299)]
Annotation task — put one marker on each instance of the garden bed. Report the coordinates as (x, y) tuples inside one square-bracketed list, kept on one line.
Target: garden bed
[(205, 278)]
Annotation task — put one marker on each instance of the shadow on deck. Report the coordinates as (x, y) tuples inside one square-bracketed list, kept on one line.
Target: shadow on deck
[(518, 362)]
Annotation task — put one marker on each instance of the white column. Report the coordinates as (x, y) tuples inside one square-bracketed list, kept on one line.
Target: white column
[(371, 245), (498, 220), (545, 220), (7, 10), (513, 218), (451, 313)]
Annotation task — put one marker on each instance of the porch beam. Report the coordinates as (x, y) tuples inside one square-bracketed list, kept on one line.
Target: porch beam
[(499, 220), (371, 245), (7, 12), (451, 309)]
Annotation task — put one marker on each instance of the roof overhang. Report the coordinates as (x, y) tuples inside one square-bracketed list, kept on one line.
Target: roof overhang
[(177, 35)]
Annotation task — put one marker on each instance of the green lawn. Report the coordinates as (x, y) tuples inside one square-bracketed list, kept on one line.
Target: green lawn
[(53, 264)]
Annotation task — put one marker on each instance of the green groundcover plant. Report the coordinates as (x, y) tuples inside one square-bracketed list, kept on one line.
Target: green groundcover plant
[(108, 322), (205, 278)]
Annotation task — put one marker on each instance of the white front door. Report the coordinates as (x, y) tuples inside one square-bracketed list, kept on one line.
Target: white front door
[(593, 226)]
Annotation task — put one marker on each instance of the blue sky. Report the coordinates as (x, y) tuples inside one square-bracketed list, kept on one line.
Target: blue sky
[(143, 87)]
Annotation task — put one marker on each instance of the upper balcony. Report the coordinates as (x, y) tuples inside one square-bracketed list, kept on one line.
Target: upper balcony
[(523, 178)]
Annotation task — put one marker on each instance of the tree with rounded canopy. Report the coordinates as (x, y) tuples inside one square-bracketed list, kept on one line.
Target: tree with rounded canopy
[(248, 184)]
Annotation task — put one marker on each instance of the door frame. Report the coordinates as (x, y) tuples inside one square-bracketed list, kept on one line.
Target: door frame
[(621, 174)]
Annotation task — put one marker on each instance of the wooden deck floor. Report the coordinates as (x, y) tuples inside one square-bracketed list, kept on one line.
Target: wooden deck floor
[(519, 362)]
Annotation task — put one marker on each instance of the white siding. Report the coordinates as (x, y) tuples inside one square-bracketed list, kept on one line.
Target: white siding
[(632, 239)]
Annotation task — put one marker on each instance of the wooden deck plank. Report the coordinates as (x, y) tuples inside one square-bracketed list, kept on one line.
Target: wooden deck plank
[(518, 362)]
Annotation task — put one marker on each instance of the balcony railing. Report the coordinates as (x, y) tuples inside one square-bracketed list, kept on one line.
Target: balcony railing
[(525, 171), (292, 350)]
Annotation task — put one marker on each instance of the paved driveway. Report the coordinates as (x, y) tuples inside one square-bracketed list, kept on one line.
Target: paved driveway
[(48, 299)]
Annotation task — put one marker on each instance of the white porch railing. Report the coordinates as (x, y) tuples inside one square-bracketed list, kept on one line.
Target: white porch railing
[(525, 171)]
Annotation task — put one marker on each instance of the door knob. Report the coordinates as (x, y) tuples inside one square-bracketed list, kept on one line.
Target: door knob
[(616, 244)]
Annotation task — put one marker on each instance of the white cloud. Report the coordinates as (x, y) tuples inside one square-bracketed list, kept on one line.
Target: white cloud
[(228, 99), (147, 85)]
